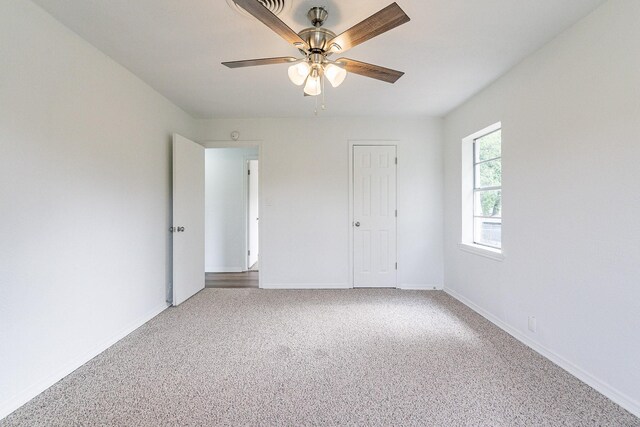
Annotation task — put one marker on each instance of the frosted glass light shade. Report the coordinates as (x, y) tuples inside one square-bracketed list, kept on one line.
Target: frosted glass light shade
[(313, 86), (335, 74), (299, 72)]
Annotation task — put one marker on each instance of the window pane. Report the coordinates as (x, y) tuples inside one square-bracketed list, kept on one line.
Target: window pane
[(489, 174), (487, 231), (489, 146), (488, 203)]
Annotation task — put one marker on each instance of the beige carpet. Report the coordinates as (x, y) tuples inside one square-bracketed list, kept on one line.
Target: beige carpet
[(359, 357)]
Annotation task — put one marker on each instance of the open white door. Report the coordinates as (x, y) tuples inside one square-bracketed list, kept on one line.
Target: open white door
[(188, 218), (374, 216)]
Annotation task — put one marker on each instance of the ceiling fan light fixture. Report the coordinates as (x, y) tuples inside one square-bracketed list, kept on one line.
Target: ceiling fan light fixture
[(335, 74), (313, 86), (318, 43), (298, 73)]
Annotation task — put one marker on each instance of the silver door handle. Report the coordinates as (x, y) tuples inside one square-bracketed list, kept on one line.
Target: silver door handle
[(357, 224)]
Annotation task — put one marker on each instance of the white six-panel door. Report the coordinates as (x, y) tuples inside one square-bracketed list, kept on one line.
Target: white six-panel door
[(188, 218), (374, 216)]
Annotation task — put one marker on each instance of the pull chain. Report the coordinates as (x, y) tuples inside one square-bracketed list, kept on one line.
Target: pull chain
[(323, 107)]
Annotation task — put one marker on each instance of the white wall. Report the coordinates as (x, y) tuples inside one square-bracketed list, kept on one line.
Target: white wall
[(225, 208), (84, 196), (571, 126), (304, 212)]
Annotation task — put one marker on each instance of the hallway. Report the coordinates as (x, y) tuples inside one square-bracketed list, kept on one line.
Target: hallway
[(248, 279)]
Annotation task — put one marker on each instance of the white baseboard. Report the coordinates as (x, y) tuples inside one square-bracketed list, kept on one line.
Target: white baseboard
[(305, 286), (602, 387), (34, 389), (412, 286), (419, 287), (225, 270)]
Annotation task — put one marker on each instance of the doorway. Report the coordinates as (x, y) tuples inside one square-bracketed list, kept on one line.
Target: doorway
[(199, 209), (374, 216), (231, 216)]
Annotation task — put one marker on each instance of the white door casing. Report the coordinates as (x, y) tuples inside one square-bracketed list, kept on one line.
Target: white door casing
[(188, 218), (253, 213), (374, 216)]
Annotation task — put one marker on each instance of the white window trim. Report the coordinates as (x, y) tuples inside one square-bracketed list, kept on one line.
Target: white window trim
[(485, 251), (466, 242)]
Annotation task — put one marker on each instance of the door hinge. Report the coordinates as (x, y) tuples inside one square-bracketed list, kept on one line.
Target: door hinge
[(396, 160), (396, 213), (248, 171), (248, 252), (396, 265)]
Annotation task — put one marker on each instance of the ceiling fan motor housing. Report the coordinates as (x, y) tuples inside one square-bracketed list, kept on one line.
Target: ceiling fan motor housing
[(317, 38)]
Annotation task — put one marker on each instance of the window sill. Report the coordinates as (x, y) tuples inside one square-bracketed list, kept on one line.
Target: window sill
[(494, 254)]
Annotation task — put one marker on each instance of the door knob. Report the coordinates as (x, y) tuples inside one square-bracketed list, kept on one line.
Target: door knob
[(357, 224)]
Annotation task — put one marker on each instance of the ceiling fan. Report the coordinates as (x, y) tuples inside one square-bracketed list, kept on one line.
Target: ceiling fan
[(317, 44)]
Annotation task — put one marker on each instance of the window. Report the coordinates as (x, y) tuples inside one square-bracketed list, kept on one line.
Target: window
[(482, 193), (487, 190)]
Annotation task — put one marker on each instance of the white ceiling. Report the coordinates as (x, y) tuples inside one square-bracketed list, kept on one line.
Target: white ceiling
[(449, 50)]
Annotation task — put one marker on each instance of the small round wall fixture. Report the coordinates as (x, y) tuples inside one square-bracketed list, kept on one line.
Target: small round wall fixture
[(235, 135)]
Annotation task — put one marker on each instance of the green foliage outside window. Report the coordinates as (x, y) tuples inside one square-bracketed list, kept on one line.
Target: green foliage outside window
[(489, 173)]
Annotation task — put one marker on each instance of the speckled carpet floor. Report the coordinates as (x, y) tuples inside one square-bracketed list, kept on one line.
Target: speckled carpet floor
[(357, 357)]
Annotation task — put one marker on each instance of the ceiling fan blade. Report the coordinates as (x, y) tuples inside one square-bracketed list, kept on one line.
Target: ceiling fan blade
[(264, 15), (378, 23), (369, 70), (262, 61)]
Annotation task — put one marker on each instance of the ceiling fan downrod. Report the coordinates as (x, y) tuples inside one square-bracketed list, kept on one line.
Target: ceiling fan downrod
[(317, 38)]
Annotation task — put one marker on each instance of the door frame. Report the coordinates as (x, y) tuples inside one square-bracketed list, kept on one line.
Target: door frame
[(246, 144), (370, 142)]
